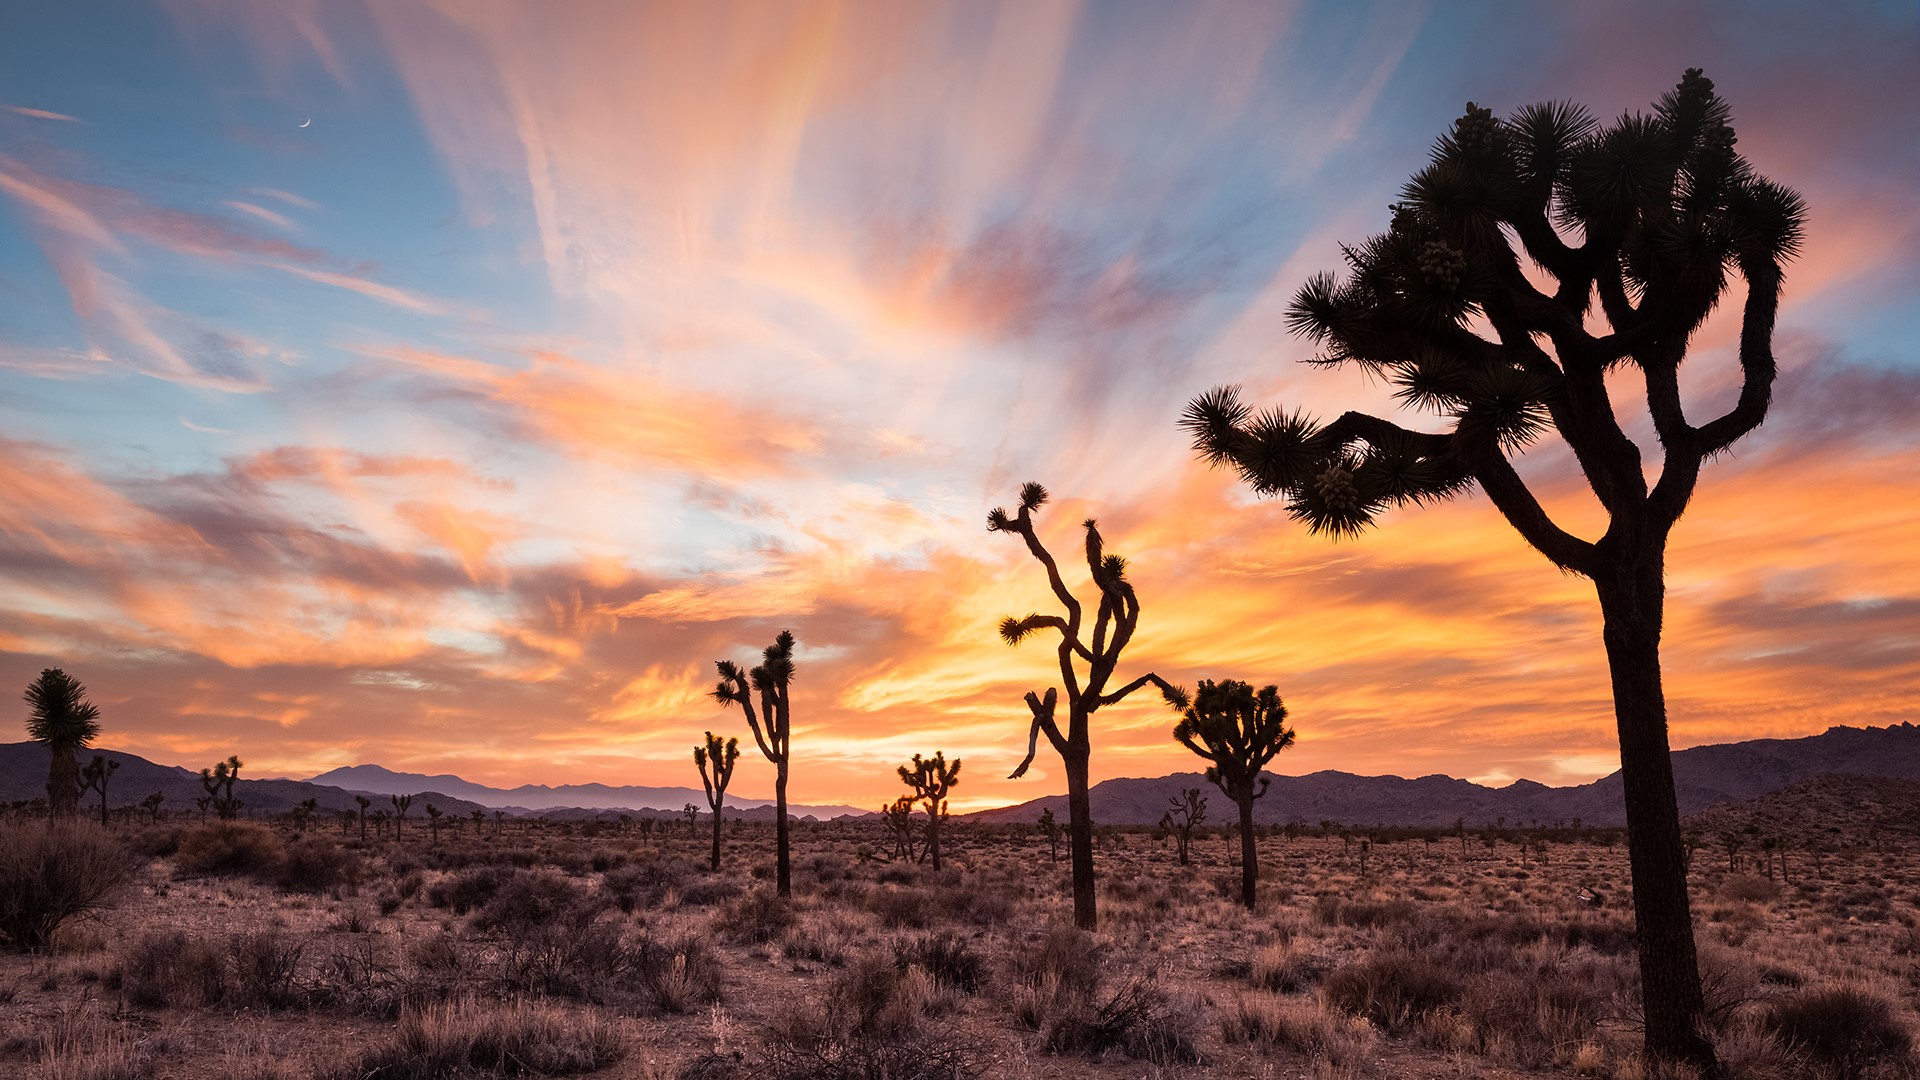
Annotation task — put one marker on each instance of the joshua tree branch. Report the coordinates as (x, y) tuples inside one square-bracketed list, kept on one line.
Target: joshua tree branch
[(1757, 365), (1511, 497), (1175, 696)]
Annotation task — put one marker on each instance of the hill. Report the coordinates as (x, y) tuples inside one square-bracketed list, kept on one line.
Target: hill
[(1704, 776), (573, 800), (1832, 810)]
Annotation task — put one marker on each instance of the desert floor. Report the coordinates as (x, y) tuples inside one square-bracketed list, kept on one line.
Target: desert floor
[(246, 951)]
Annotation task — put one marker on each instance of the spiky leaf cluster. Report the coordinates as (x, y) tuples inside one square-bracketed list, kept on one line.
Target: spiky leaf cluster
[(1238, 731), (58, 712), (1651, 213)]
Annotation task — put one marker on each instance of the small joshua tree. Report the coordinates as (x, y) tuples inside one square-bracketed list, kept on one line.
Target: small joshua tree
[(60, 717), (693, 815), (1651, 214), (363, 803), (218, 782), (303, 813), (772, 727), (151, 804), (899, 818), (94, 778), (1184, 815), (1238, 731), (1050, 828), (400, 804), (433, 823), (479, 818), (498, 817), (723, 754), (931, 779), (1113, 624)]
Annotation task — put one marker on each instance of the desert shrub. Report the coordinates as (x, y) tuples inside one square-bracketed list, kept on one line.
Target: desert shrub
[(314, 865), (1138, 1019), (603, 860), (468, 889), (229, 847), (947, 957), (1844, 1029), (680, 974), (754, 919), (1285, 969), (1750, 888), (528, 901), (1304, 1026), (51, 874), (1391, 987), (173, 968), (646, 882), (467, 1038), (263, 966), (874, 999), (1333, 911), (574, 956), (74, 1047), (912, 908), (154, 841), (1066, 958)]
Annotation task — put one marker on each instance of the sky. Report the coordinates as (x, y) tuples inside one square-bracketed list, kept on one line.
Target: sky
[(448, 385)]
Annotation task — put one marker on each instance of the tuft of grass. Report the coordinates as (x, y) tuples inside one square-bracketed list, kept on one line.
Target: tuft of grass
[(229, 847), (53, 874), (471, 1038), (1845, 1030)]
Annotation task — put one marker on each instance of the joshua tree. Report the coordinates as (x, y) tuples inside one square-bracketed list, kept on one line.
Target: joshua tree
[(400, 804), (303, 813), (60, 717), (1050, 827), (771, 680), (345, 817), (693, 815), (203, 802), (899, 818), (1115, 618), (931, 779), (1238, 731), (151, 804), (94, 778), (1649, 213), (498, 816), (218, 782), (1184, 815), (380, 819), (363, 802), (433, 823), (724, 754), (479, 820)]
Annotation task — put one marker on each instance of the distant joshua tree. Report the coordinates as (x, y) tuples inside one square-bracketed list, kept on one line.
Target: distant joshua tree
[(498, 816), (931, 779), (303, 813), (1184, 815), (1650, 213), (218, 782), (60, 717), (433, 822), (899, 817), (363, 802), (1238, 731), (693, 815), (1050, 828), (400, 804), (1115, 618), (94, 778), (151, 804), (479, 818), (723, 754), (772, 680)]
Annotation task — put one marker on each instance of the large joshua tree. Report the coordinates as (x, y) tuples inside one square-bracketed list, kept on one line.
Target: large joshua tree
[(771, 726), (932, 779), (1238, 731), (724, 754), (60, 717), (1651, 214), (1116, 615)]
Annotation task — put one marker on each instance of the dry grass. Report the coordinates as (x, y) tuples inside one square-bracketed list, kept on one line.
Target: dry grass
[(626, 959)]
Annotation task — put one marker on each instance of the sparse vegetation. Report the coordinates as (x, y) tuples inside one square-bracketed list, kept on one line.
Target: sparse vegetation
[(54, 873)]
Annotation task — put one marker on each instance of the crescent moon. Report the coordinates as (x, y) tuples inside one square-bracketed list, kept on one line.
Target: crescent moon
[(308, 122)]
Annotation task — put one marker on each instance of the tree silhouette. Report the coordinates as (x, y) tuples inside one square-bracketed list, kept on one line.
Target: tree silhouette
[(1050, 828), (152, 805), (724, 754), (1184, 814), (363, 802), (771, 680), (1238, 731), (899, 818), (60, 717), (94, 778), (218, 782), (433, 823), (1650, 213), (400, 804), (1116, 616), (931, 779)]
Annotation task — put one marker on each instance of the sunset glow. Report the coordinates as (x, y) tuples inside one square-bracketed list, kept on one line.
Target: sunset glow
[(573, 347)]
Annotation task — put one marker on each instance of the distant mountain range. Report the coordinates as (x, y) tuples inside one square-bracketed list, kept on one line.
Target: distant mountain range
[(1703, 776), (539, 797)]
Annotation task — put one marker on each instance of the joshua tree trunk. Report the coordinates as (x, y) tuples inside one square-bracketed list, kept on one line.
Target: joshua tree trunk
[(63, 783), (1249, 858), (782, 865), (1086, 914), (933, 836), (716, 839), (1631, 600)]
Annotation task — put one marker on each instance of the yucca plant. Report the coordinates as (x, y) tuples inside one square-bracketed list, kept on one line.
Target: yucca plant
[(723, 754), (1184, 814), (400, 804), (218, 782), (1652, 213), (60, 717), (931, 780), (772, 728), (94, 778), (1238, 731), (1097, 649), (899, 816)]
